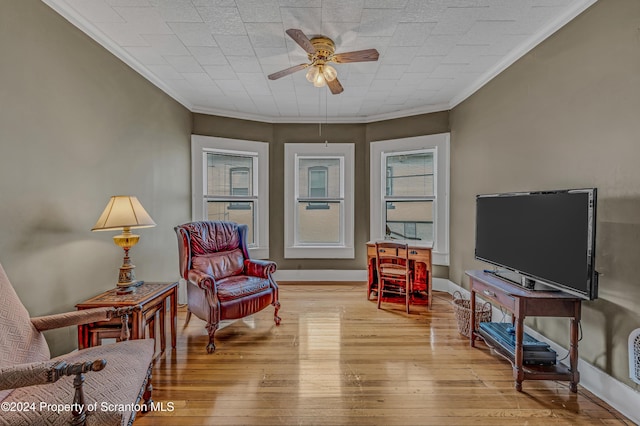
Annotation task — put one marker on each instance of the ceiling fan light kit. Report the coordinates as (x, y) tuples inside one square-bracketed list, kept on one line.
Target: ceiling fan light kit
[(321, 50), (319, 75)]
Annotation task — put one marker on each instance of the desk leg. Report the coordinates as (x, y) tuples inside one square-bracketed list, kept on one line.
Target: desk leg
[(518, 371), (429, 285), (173, 299), (371, 276)]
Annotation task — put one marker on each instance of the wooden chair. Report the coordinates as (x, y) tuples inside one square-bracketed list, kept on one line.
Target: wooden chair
[(394, 271)]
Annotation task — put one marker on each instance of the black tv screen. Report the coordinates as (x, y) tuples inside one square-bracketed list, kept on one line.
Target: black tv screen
[(546, 236)]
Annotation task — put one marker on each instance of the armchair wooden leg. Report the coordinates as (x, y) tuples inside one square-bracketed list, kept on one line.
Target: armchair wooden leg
[(148, 390), (276, 318), (186, 320), (211, 329)]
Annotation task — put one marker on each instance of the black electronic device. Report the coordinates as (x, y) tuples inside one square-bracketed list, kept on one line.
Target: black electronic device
[(545, 237), (534, 352)]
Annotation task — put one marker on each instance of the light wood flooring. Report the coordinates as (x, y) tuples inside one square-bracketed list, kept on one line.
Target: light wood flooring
[(337, 360)]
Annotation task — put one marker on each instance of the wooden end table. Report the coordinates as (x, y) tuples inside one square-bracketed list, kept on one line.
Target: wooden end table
[(152, 297)]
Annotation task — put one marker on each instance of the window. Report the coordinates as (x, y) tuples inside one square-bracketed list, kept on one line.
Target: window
[(409, 192), (319, 201), (231, 182)]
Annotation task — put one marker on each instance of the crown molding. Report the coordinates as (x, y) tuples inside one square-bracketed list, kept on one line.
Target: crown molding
[(361, 119)]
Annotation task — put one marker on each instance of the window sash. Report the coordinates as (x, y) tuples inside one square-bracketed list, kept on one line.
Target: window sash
[(312, 207), (316, 201)]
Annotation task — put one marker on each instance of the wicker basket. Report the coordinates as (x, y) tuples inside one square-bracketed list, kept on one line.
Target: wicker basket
[(462, 310)]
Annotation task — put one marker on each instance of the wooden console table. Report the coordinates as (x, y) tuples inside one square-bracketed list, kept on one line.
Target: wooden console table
[(522, 303), (419, 255), (152, 299)]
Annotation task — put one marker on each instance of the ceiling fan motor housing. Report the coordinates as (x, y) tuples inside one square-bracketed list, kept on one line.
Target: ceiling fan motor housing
[(325, 48)]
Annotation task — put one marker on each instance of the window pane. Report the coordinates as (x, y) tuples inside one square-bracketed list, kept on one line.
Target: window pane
[(317, 182), (411, 220), (319, 174), (240, 181), (224, 210), (410, 175), (227, 174), (319, 222)]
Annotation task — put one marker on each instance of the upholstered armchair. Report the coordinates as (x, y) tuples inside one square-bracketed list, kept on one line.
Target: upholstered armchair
[(223, 282), (95, 386)]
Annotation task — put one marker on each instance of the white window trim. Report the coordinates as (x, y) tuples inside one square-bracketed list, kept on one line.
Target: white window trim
[(202, 144), (439, 143), (292, 250)]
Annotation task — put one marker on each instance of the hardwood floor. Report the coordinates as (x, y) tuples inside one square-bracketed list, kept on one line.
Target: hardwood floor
[(337, 360)]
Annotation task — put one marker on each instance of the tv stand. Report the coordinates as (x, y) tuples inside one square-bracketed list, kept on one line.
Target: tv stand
[(522, 302)]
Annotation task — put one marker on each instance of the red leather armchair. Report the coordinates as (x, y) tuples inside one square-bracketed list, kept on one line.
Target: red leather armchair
[(223, 282)]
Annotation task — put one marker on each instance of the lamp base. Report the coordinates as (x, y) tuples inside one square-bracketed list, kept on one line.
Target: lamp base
[(128, 288), (127, 282)]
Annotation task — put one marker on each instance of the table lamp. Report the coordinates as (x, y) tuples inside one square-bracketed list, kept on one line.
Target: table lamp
[(124, 212)]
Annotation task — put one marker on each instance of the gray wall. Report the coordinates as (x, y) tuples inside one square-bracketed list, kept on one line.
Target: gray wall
[(77, 126), (566, 115)]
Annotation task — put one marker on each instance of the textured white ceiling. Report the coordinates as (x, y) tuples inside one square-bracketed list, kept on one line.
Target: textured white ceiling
[(213, 56)]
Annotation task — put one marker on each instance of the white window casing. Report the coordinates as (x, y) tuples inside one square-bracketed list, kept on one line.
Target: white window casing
[(237, 200), (438, 145)]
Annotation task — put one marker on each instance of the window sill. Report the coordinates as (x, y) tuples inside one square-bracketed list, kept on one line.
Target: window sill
[(319, 252)]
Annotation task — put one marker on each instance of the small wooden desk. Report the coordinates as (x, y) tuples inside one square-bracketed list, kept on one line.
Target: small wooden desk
[(521, 303), (152, 299), (419, 255)]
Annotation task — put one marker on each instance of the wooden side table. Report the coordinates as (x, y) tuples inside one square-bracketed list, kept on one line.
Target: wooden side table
[(152, 299), (522, 303)]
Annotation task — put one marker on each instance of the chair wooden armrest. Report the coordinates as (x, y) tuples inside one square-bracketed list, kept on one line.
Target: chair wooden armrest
[(40, 373)]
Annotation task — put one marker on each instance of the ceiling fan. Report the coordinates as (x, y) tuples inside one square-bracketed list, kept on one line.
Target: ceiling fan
[(321, 51)]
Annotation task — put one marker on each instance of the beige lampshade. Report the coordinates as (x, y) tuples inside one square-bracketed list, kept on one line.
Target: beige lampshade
[(123, 211)]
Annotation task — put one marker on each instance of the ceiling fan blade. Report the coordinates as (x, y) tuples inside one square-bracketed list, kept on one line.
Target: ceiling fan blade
[(302, 40), (285, 72), (356, 56), (335, 86)]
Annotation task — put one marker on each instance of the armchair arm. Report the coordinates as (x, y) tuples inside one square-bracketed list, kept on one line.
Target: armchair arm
[(259, 268), (86, 316), (39, 373), (202, 280)]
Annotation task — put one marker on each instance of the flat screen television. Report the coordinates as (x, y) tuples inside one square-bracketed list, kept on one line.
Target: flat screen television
[(544, 237)]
